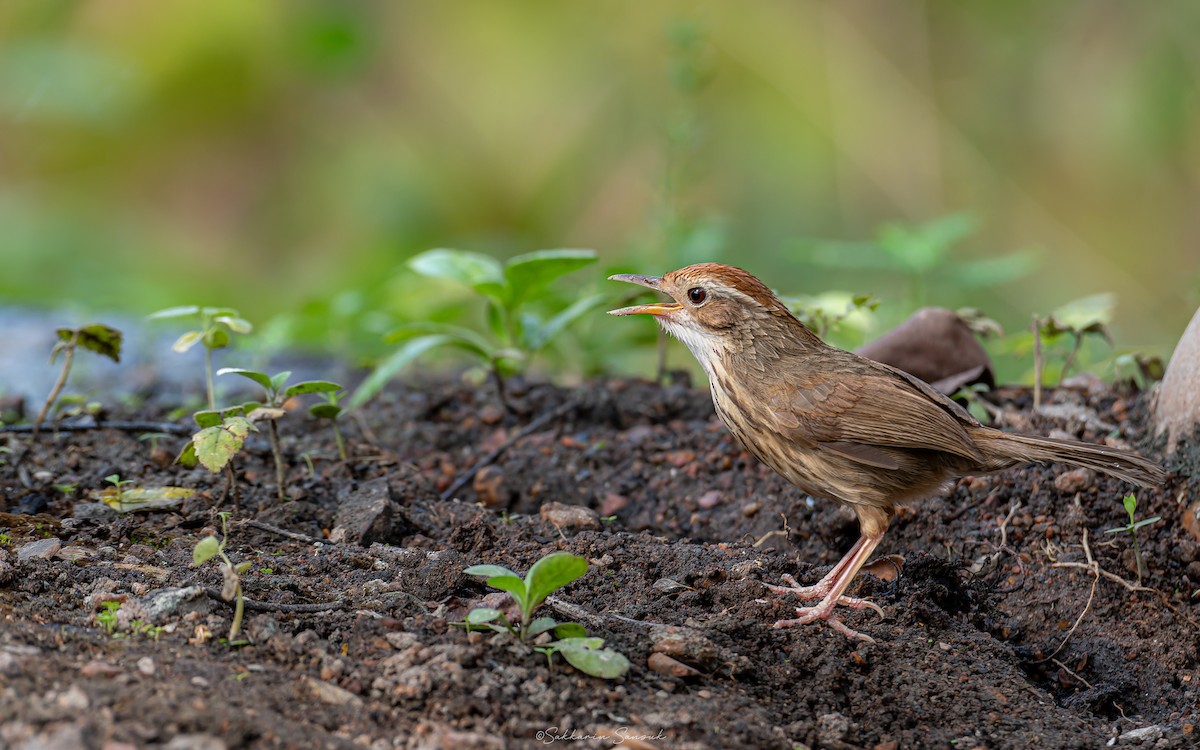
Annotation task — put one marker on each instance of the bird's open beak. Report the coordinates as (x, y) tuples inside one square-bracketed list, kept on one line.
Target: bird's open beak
[(650, 282)]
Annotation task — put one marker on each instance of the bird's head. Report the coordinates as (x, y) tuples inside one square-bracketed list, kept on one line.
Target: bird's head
[(713, 308)]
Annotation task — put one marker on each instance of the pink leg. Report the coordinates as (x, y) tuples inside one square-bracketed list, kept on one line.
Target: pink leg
[(830, 589)]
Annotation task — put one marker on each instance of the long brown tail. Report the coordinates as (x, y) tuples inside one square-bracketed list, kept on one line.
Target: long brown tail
[(1010, 448)]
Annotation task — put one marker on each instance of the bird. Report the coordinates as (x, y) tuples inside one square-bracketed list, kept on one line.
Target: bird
[(835, 424)]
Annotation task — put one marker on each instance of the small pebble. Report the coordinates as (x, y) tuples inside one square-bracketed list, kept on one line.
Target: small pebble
[(664, 664), (570, 516), (710, 499), (42, 549), (1075, 480), (145, 665), (100, 668)]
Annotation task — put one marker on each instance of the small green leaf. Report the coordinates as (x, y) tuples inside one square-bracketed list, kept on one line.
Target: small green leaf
[(175, 312), (570, 630), (516, 587), (207, 418), (550, 573), (311, 386), (541, 625), (205, 550), (216, 338), (242, 567), (258, 377), (187, 456), (234, 323), (278, 379), (187, 341), (1146, 522), (603, 663), (488, 571), (480, 615), (1130, 503), (216, 446), (100, 339), (325, 411)]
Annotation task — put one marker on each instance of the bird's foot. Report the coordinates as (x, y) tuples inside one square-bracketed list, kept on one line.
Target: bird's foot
[(824, 611), (816, 591), (808, 615), (819, 591)]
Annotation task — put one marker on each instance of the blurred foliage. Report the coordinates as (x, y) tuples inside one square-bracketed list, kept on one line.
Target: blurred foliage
[(287, 158)]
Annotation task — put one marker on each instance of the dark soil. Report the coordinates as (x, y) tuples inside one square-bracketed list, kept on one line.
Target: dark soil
[(997, 633)]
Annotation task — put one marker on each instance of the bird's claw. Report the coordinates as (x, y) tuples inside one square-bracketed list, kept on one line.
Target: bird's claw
[(812, 614), (796, 590)]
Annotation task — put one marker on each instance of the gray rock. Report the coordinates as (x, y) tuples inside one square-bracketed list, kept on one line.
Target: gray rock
[(196, 742), (93, 512), (366, 514), (166, 603), (42, 548)]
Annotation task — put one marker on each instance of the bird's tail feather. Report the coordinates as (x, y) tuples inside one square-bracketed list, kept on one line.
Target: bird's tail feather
[(1112, 461)]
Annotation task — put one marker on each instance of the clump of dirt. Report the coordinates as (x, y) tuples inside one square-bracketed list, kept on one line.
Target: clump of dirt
[(1014, 621)]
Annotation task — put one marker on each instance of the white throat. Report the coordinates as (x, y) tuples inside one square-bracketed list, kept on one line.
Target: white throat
[(704, 348)]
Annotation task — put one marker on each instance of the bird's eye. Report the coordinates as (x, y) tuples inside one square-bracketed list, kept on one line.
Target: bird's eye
[(697, 295)]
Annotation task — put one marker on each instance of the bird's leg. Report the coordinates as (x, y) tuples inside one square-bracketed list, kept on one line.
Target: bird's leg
[(822, 587), (843, 573)]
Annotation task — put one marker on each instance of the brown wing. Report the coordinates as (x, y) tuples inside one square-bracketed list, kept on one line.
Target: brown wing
[(856, 410)]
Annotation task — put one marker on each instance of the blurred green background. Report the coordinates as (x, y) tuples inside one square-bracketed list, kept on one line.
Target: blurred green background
[(286, 157)]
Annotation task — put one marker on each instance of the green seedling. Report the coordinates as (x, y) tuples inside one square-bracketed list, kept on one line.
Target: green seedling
[(221, 437), (5, 539), (272, 410), (330, 408), (1138, 370), (548, 574), (1131, 528), (231, 590), (109, 620), (1088, 316), (153, 439), (118, 484), (107, 617), (216, 326), (98, 338), (831, 311), (514, 332)]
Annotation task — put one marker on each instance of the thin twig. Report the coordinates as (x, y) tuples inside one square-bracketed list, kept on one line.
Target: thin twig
[(1071, 672), (1004, 525), (785, 532), (1094, 568), (528, 429), (273, 607), (263, 526)]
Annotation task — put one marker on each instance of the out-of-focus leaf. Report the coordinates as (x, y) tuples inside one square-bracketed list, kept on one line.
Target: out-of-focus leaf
[(257, 377), (96, 337), (132, 499), (187, 341), (205, 550), (392, 365), (175, 312), (530, 273), (537, 337), (482, 273), (311, 386)]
